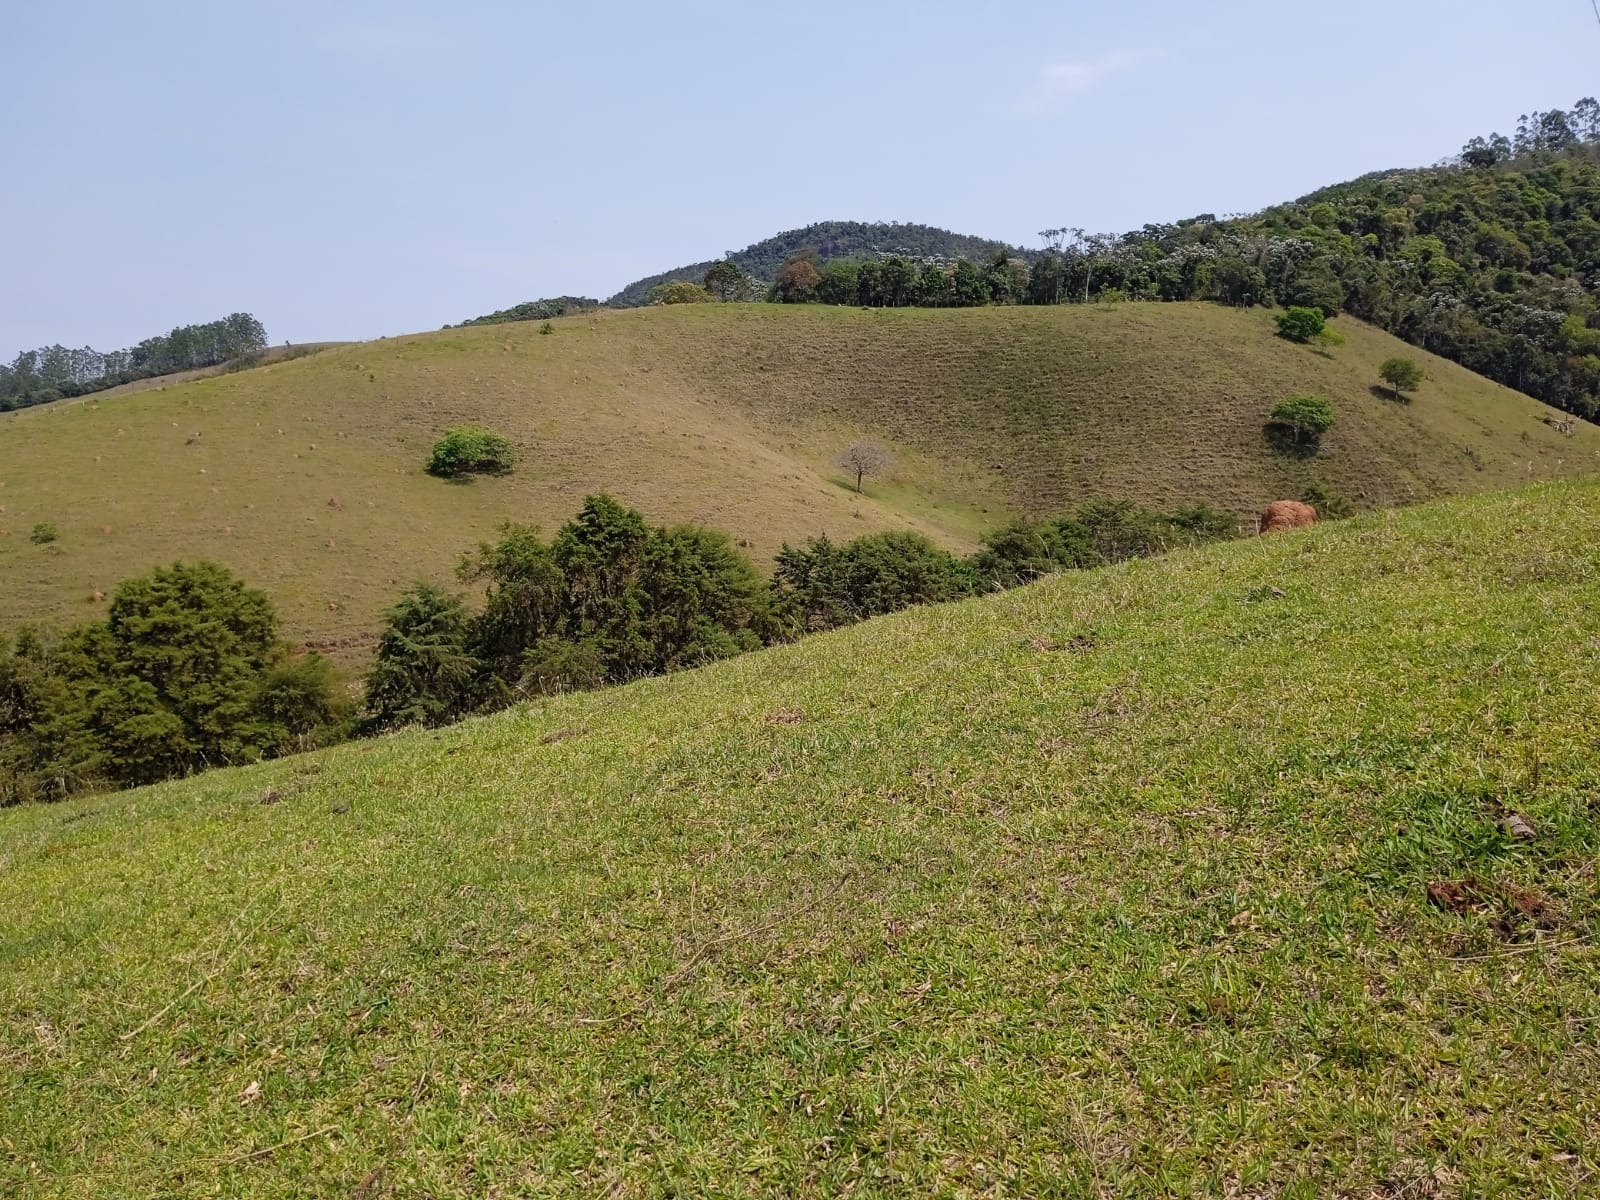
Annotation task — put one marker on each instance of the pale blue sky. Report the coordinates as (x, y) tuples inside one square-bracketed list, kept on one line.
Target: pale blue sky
[(345, 170)]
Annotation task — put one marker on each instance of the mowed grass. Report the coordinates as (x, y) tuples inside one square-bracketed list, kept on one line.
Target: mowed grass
[(307, 476), (1116, 885)]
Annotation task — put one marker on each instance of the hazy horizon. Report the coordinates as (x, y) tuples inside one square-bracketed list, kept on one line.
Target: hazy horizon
[(367, 169)]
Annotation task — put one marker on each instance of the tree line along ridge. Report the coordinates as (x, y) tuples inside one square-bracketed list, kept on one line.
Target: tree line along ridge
[(57, 372)]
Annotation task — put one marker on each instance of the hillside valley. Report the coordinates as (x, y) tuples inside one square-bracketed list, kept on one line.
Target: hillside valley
[(306, 476), (1091, 698)]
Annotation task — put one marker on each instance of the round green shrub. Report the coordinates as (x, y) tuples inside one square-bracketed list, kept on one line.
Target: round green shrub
[(1302, 324), (470, 450), (680, 291)]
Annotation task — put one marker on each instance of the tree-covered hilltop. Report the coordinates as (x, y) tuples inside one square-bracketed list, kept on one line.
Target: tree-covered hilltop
[(1491, 259), (830, 240), (54, 372), (537, 310)]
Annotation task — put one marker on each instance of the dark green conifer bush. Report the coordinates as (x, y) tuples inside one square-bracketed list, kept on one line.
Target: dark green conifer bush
[(187, 671)]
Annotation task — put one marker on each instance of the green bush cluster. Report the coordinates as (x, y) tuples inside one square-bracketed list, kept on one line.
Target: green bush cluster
[(823, 584), (611, 598), (1099, 532), (1302, 324), (537, 310), (680, 291), (471, 450), (187, 671)]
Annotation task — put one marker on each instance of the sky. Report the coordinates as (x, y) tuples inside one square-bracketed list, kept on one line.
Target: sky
[(354, 170)]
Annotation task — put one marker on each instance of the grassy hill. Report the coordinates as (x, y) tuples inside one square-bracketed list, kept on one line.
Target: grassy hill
[(307, 476), (1194, 875), (272, 354)]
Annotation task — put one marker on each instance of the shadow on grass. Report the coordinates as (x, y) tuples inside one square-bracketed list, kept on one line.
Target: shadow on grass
[(848, 485), (1290, 444), (1389, 394), (466, 478)]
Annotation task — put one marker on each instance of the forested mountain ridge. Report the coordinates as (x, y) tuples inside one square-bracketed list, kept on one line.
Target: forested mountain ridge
[(831, 240), (1491, 259)]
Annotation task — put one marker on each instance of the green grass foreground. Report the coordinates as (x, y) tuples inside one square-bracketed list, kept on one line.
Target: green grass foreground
[(1116, 885)]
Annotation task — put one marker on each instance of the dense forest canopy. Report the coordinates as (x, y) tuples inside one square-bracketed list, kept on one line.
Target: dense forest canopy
[(53, 372)]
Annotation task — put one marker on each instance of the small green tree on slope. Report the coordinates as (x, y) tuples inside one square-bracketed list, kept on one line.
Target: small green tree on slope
[(425, 671), (1401, 374)]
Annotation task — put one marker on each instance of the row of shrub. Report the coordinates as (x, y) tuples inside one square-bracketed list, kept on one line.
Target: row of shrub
[(613, 598), (189, 671)]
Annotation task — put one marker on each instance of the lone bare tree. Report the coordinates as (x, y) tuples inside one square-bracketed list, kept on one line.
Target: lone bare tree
[(863, 459)]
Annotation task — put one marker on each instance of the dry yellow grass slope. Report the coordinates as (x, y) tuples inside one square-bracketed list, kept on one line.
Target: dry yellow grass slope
[(307, 477)]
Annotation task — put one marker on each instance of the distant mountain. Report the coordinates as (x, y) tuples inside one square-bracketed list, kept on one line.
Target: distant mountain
[(830, 239)]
